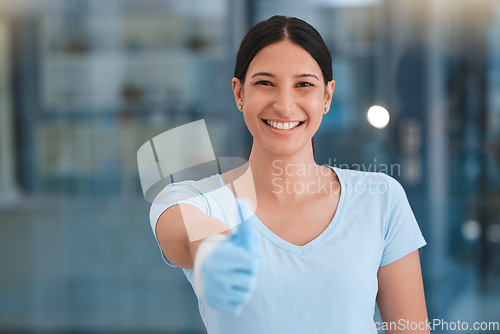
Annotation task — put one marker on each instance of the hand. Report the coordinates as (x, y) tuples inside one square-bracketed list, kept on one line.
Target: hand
[(230, 271)]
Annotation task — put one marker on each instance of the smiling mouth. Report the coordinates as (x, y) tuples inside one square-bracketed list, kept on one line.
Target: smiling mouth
[(283, 125)]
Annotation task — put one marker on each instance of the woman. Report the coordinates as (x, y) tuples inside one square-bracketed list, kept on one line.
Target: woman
[(324, 243)]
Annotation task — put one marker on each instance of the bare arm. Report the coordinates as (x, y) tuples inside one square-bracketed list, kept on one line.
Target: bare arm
[(172, 232), (401, 294)]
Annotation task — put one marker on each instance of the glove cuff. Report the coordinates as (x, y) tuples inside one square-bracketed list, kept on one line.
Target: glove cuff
[(206, 247)]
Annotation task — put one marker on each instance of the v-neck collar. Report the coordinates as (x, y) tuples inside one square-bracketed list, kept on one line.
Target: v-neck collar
[(316, 242)]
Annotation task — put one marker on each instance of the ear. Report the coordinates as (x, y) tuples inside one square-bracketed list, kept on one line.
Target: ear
[(330, 86), (238, 91)]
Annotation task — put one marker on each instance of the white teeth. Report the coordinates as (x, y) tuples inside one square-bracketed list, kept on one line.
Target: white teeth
[(283, 126)]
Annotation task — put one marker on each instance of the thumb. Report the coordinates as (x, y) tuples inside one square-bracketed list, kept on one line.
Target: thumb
[(245, 236)]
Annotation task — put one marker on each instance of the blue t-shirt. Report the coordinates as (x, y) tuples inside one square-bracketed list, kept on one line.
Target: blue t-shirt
[(328, 285)]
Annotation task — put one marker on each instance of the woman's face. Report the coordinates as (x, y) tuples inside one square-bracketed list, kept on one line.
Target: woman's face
[(283, 97)]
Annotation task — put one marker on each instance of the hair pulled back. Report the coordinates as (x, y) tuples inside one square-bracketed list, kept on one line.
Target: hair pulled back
[(279, 28)]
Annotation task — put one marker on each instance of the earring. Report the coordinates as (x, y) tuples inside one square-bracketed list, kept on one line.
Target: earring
[(239, 107), (327, 110)]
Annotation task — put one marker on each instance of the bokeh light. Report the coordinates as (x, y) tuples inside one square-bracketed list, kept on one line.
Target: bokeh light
[(378, 117)]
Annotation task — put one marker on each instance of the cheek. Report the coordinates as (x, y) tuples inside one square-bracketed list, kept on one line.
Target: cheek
[(250, 116), (255, 103), (256, 100), (313, 102)]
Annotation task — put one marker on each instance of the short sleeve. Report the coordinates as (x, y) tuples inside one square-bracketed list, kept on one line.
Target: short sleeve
[(402, 234), (175, 193)]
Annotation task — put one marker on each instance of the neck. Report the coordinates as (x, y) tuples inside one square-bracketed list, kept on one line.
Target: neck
[(284, 178)]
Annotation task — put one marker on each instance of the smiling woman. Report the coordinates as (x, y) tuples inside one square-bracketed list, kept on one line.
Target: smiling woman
[(283, 98), (316, 255)]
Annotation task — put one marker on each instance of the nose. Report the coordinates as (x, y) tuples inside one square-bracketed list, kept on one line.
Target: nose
[(284, 100)]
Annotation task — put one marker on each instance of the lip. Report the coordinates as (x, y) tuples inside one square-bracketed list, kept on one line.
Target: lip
[(281, 131), (282, 120)]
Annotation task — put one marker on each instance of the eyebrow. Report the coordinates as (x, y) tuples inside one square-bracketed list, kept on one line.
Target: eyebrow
[(303, 75), (266, 74), (307, 75)]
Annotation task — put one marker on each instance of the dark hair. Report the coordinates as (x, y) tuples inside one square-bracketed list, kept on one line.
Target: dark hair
[(278, 28)]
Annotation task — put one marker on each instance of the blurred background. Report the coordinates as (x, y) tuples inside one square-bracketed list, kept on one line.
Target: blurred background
[(84, 83)]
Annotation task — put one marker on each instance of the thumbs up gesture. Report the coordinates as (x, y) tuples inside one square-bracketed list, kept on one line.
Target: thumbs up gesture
[(229, 271)]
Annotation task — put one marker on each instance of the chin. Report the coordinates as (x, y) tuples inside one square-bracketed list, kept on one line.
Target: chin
[(285, 150)]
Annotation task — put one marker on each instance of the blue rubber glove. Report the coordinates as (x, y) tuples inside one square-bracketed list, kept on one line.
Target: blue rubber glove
[(230, 271)]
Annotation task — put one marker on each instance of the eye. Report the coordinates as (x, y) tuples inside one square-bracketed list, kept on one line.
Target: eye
[(264, 83), (304, 84)]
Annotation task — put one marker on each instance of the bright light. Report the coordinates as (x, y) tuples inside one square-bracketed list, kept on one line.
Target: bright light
[(471, 230), (378, 117)]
